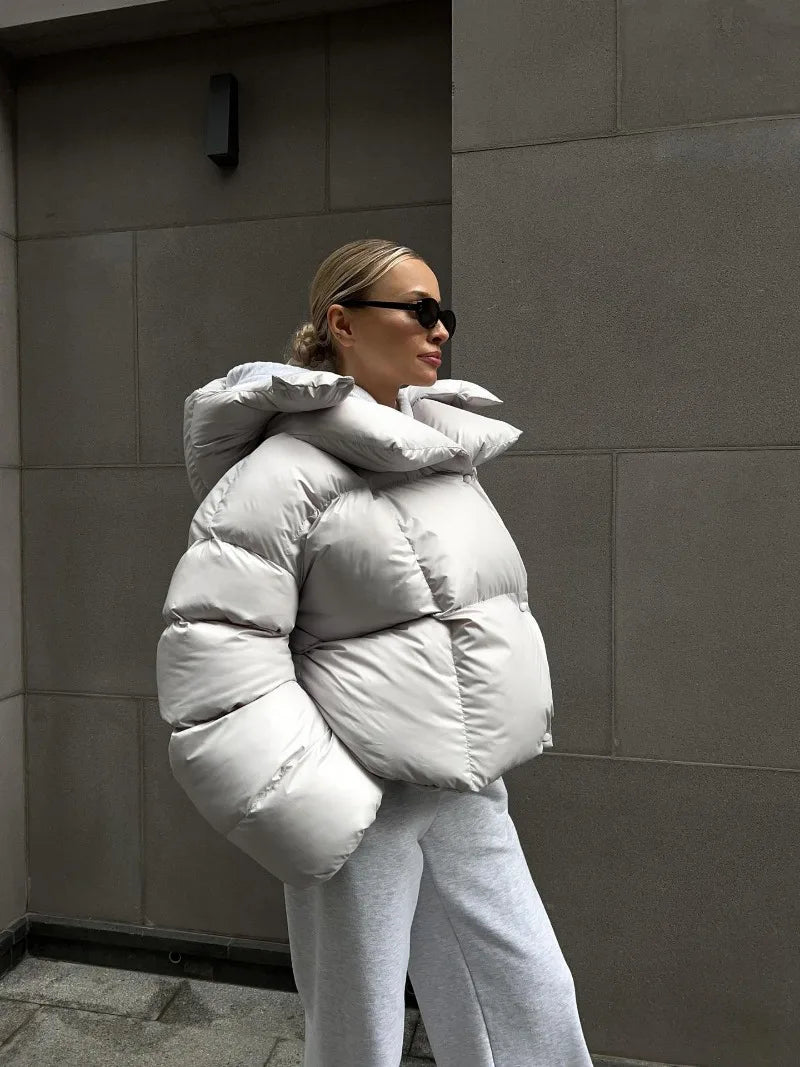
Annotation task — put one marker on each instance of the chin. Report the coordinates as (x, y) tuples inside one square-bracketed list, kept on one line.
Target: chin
[(425, 373)]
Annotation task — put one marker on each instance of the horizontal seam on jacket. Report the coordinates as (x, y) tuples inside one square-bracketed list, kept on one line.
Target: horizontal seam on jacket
[(301, 534), (321, 641), (227, 622), (297, 534), (336, 496), (436, 616), (232, 711), (235, 544), (482, 600), (367, 437)]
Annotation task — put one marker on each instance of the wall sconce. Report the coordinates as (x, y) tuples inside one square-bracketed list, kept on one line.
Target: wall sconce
[(222, 120)]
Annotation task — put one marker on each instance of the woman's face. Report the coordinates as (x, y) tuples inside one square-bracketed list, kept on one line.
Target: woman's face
[(381, 347)]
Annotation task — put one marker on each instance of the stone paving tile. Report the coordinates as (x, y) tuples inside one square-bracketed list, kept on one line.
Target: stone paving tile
[(287, 1053), (606, 1061), (290, 1054), (68, 1037), (420, 1046), (267, 1011), (66, 984), (13, 1015), (273, 1011)]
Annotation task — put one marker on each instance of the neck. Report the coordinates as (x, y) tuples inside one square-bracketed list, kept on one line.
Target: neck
[(387, 397), (383, 392)]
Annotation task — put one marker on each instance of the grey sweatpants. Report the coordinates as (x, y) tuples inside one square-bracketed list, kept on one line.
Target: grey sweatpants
[(438, 887)]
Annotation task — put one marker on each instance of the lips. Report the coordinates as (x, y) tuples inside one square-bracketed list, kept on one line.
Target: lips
[(434, 360)]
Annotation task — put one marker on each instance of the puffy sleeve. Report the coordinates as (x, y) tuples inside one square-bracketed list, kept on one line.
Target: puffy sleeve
[(249, 746)]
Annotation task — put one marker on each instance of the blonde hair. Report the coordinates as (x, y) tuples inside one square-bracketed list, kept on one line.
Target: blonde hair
[(347, 272)]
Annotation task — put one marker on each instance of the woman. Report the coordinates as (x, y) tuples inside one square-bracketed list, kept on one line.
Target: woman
[(349, 666)]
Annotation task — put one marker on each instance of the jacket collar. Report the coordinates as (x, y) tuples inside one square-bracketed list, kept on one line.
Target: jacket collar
[(438, 427)]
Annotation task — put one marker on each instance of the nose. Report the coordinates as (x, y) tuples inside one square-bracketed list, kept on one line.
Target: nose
[(440, 331)]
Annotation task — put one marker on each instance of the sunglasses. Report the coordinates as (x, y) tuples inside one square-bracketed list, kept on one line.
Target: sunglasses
[(427, 311)]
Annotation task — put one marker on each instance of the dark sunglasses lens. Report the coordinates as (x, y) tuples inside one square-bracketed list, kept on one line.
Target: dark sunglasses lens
[(430, 312)]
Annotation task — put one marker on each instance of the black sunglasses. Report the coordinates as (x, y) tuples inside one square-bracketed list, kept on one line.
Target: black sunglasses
[(427, 311)]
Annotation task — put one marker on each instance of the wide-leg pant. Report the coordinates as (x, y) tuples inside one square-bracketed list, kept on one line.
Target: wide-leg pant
[(438, 887)]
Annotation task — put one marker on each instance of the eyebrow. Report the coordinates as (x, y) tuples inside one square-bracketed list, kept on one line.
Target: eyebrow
[(416, 292)]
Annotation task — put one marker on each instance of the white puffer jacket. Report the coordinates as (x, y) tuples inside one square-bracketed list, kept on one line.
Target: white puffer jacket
[(350, 608)]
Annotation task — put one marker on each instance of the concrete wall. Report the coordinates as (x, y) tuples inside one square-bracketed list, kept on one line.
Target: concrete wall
[(13, 873), (626, 262), (145, 271)]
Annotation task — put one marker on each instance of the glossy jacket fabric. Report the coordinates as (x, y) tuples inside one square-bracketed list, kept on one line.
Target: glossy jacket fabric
[(350, 608)]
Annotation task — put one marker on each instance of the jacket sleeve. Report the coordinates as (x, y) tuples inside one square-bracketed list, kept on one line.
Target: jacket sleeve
[(249, 746)]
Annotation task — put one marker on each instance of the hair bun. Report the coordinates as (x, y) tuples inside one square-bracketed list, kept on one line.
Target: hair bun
[(306, 349)]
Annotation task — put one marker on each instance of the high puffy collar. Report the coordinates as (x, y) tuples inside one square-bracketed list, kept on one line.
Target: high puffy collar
[(437, 427)]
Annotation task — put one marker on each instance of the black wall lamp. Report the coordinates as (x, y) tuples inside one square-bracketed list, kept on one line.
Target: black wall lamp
[(222, 120)]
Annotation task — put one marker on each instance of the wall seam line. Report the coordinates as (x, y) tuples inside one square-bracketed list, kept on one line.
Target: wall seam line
[(21, 527), (613, 665), (618, 61), (135, 311), (716, 765), (142, 873), (643, 131), (326, 67), (510, 452), (235, 220)]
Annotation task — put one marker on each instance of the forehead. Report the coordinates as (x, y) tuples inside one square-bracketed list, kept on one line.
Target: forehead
[(410, 278)]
